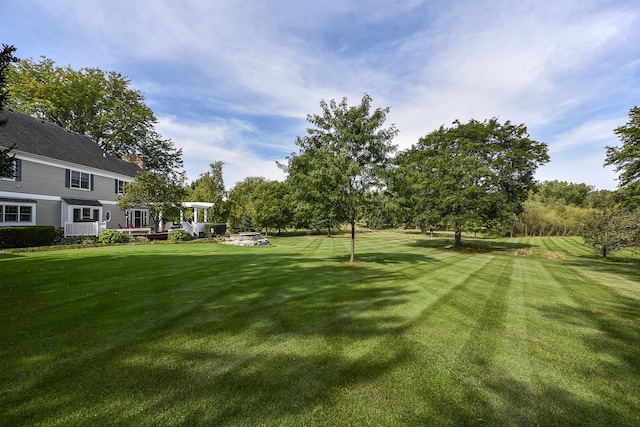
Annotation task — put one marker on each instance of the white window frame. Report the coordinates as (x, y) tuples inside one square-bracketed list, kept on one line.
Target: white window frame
[(11, 178), (78, 176), (121, 185), (86, 213), (21, 213)]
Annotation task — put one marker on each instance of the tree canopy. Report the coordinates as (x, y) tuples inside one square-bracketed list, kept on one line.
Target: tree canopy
[(272, 205), (95, 103), (626, 158), (470, 175), (341, 159), (159, 192), (242, 210), (209, 187), (7, 159), (609, 230)]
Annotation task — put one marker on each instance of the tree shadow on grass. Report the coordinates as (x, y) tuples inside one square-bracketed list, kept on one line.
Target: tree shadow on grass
[(386, 258), (622, 267), (168, 339), (470, 245)]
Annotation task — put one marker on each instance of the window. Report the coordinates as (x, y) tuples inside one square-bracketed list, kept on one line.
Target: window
[(84, 214), (79, 180), (139, 218), (17, 172), (16, 213), (25, 213), (11, 213), (120, 186)]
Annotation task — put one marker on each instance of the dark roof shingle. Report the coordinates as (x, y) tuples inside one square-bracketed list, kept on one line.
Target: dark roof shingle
[(35, 136)]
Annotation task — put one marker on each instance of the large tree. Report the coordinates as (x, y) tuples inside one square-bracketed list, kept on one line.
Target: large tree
[(7, 159), (161, 193), (272, 204), (471, 174), (609, 230), (341, 159), (242, 209), (626, 158), (95, 103), (209, 187)]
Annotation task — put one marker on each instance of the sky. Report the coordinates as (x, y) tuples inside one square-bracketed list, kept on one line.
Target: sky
[(234, 80)]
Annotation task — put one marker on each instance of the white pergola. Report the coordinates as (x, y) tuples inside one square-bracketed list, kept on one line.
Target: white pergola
[(195, 206)]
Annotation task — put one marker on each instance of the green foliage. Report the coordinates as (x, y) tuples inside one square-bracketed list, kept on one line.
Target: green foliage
[(242, 211), (113, 236), (6, 59), (218, 229), (25, 237), (76, 240), (178, 236), (626, 158), (7, 159), (342, 158), (608, 231), (210, 188), (378, 211), (98, 104), (273, 207), (469, 175), (566, 193), (158, 192)]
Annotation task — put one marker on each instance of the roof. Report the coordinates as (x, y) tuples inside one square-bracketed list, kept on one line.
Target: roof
[(78, 202), (35, 136)]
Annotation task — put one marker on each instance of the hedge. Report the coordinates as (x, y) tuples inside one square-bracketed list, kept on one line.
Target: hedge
[(26, 237)]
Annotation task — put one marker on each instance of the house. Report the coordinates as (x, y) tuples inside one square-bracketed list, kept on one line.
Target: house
[(62, 179)]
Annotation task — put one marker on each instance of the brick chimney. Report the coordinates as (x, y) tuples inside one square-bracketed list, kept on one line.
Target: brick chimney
[(136, 159)]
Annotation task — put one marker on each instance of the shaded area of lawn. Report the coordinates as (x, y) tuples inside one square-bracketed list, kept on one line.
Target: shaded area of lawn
[(176, 329), (413, 334)]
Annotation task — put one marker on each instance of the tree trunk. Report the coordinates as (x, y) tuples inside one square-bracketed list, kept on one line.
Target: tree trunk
[(353, 242), (458, 239)]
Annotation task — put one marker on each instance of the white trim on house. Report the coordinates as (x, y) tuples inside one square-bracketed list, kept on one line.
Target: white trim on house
[(10, 194), (69, 165)]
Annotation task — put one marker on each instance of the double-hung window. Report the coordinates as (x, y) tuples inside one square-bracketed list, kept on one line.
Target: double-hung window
[(16, 173), (120, 186), (80, 180), (16, 213)]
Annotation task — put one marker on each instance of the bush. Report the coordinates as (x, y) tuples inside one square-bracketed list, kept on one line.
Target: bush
[(77, 240), (113, 236), (26, 237), (217, 229), (178, 236)]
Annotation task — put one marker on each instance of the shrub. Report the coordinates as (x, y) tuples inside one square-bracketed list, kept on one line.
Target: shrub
[(112, 236), (178, 236), (216, 229), (26, 237)]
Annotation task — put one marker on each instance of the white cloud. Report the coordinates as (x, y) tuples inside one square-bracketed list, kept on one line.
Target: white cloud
[(226, 141), (595, 133)]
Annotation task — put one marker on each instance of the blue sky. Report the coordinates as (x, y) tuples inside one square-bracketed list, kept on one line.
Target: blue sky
[(234, 80)]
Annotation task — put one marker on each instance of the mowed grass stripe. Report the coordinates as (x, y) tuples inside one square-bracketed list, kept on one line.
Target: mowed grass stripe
[(415, 333)]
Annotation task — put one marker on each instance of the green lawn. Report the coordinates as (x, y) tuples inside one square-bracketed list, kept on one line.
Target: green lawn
[(526, 332)]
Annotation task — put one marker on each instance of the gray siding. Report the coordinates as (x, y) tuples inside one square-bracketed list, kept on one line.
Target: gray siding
[(41, 181), (46, 180), (48, 213)]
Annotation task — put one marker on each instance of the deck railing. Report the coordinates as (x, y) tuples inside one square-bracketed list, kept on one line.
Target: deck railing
[(84, 228)]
